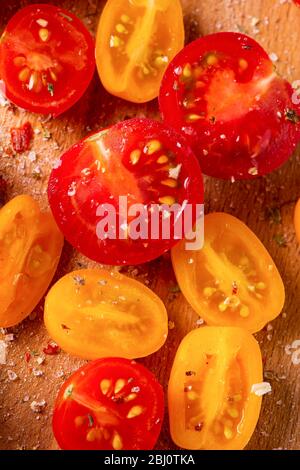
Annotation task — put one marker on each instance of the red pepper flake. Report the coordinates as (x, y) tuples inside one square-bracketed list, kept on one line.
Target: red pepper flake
[(234, 288), (27, 356), (21, 137), (51, 349)]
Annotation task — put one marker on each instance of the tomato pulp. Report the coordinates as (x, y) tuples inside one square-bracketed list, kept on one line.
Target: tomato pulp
[(139, 159), (109, 404), (222, 92), (46, 59)]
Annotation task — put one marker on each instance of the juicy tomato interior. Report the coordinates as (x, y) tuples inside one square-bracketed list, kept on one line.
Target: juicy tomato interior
[(30, 248), (139, 159), (297, 220), (211, 406), (46, 59), (103, 314), (135, 42), (232, 280), (223, 94), (109, 404)]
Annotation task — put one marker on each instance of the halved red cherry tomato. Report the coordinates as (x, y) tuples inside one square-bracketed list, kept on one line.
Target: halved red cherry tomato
[(211, 404), (46, 59), (139, 159), (232, 280), (109, 404), (223, 94), (297, 220), (136, 40)]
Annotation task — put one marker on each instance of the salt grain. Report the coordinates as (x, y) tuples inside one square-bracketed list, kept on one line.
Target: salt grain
[(261, 389), (12, 375), (37, 406), (3, 352)]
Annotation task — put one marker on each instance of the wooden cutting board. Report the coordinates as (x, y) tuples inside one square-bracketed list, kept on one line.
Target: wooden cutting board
[(276, 24)]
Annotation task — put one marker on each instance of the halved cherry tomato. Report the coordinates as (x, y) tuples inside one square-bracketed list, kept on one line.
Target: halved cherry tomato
[(136, 40), (232, 280), (30, 248), (109, 404), (211, 406), (222, 93), (46, 59), (297, 220), (139, 159), (102, 313)]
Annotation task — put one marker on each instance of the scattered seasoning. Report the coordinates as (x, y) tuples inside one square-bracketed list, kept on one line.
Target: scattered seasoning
[(135, 389), (102, 282), (50, 88), (292, 116), (261, 389), (21, 137), (171, 325), (37, 372), (91, 420), (3, 352), (246, 47), (79, 280), (274, 215), (280, 240), (234, 288), (12, 375), (175, 289), (27, 356), (199, 427), (51, 349), (46, 134), (212, 119), (199, 322), (65, 327), (189, 373), (38, 406)]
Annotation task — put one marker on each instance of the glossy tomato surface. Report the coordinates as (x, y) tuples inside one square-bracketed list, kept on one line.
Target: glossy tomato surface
[(222, 92), (105, 314), (232, 280), (136, 40), (109, 404), (211, 402), (46, 59), (144, 162)]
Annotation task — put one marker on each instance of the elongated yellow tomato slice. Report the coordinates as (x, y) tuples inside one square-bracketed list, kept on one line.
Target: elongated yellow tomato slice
[(211, 403), (297, 220), (136, 40), (232, 280), (93, 313), (30, 248)]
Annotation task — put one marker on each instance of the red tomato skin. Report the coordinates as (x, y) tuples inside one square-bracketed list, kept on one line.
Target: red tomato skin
[(68, 91), (116, 252), (21, 137), (137, 435), (219, 146)]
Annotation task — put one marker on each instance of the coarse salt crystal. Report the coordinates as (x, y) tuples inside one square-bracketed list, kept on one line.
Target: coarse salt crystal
[(32, 156), (261, 389), (37, 406), (3, 352), (296, 357), (273, 57), (9, 337), (12, 375)]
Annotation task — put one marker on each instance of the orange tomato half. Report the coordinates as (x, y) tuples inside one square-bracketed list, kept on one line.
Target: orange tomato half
[(93, 313), (136, 40), (211, 404), (232, 280), (297, 220), (30, 248)]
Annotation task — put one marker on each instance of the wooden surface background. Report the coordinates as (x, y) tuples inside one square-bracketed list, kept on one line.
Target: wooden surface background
[(276, 24)]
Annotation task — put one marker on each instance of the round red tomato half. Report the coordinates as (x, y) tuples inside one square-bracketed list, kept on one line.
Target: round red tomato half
[(46, 59), (109, 404), (115, 194), (223, 94)]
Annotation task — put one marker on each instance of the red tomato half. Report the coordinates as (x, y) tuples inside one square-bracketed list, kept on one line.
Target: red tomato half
[(222, 93), (46, 59), (140, 159), (109, 404)]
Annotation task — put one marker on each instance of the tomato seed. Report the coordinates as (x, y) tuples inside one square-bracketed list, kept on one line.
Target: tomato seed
[(44, 34)]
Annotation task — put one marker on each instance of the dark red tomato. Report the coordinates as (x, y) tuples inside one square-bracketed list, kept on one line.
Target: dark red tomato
[(46, 59), (109, 404), (297, 2), (223, 94), (139, 159), (21, 137)]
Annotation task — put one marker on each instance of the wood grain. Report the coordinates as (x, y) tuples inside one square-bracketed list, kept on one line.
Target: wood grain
[(276, 24)]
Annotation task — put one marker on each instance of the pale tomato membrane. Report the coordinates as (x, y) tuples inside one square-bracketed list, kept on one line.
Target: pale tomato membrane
[(46, 59), (223, 94)]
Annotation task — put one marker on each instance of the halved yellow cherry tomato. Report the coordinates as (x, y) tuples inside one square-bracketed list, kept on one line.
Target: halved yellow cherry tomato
[(93, 313), (211, 405), (297, 220), (30, 248), (136, 40), (232, 280)]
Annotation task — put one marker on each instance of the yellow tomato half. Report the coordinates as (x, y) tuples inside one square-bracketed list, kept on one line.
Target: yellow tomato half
[(30, 248), (211, 402), (232, 280), (136, 40), (92, 313)]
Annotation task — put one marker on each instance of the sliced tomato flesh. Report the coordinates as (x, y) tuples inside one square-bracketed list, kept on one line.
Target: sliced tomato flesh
[(223, 93)]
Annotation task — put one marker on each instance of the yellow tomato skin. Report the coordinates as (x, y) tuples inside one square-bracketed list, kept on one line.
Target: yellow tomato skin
[(92, 313), (232, 280), (136, 40), (297, 220), (30, 248), (211, 406)]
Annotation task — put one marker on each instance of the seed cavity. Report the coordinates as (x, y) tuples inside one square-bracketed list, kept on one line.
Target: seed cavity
[(228, 433), (244, 311), (135, 411), (233, 412), (24, 74), (211, 59), (19, 61), (209, 291), (152, 147), (120, 28), (125, 19), (161, 60), (105, 385), (115, 41)]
